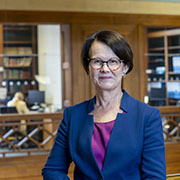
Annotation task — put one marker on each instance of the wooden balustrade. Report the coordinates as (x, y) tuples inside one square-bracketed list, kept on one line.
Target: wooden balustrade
[(35, 132), (27, 134), (171, 123), (171, 128)]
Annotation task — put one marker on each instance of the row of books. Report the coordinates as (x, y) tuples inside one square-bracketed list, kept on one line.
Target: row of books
[(15, 74), (22, 88), (17, 62), (18, 50)]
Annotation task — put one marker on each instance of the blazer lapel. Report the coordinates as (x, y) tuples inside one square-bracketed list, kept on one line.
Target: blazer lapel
[(82, 142), (116, 134), (90, 127)]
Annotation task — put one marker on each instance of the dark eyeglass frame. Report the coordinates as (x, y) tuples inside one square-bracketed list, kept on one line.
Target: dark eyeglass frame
[(106, 62)]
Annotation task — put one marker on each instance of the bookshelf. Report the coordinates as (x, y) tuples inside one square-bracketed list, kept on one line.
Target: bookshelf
[(163, 67), (18, 58)]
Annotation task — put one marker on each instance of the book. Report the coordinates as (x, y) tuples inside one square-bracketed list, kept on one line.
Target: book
[(24, 50), (17, 62), (10, 50)]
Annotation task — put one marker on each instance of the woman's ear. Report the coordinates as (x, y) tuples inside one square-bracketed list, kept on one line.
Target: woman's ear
[(125, 70)]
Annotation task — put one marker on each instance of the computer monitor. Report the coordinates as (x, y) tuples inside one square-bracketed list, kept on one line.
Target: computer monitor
[(36, 97), (7, 110), (157, 96)]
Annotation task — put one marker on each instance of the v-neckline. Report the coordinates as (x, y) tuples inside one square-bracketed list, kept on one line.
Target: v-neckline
[(109, 142)]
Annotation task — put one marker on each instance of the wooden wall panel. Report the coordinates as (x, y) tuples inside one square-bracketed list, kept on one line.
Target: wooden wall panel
[(130, 25), (66, 65), (21, 167), (82, 87), (12, 16), (29, 168), (173, 158), (142, 59), (1, 52)]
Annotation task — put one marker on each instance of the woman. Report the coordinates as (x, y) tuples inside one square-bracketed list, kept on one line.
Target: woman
[(20, 104), (111, 136)]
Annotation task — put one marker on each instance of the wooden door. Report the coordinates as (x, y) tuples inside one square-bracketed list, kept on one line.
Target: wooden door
[(82, 87)]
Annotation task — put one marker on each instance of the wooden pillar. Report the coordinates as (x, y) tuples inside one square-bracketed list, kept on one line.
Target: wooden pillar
[(1, 52), (49, 127)]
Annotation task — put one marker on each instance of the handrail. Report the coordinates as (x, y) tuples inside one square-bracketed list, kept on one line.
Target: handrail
[(18, 131), (29, 133), (170, 116)]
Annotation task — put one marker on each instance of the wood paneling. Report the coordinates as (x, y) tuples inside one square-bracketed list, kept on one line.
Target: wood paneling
[(29, 168), (21, 167), (1, 41), (66, 65), (173, 158), (1, 52), (25, 168), (82, 87), (142, 59), (11, 16), (132, 26)]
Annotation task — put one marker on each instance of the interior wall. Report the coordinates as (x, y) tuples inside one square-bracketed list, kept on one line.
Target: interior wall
[(49, 63), (131, 82), (113, 6)]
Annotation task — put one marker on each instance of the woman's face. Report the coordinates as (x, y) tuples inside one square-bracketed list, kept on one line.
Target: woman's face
[(105, 78)]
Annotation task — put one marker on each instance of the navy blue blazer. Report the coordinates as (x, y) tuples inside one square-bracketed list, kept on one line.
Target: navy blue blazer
[(135, 150)]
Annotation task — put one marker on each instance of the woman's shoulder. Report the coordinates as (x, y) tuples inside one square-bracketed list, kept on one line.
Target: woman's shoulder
[(139, 104), (84, 105)]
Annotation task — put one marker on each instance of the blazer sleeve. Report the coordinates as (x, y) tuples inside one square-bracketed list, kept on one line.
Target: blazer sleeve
[(57, 165), (153, 164)]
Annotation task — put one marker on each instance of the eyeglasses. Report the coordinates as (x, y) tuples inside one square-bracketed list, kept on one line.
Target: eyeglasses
[(112, 64)]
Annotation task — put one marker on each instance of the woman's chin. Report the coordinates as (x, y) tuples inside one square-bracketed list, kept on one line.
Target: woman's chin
[(105, 86)]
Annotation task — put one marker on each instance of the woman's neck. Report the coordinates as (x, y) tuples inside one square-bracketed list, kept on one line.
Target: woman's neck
[(108, 99)]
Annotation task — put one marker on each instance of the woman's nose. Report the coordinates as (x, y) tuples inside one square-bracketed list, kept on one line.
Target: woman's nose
[(104, 67)]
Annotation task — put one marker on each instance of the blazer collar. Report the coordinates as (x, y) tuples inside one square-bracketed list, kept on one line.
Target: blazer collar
[(124, 102)]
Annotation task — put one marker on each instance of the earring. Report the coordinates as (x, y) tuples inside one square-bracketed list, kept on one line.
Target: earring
[(123, 74)]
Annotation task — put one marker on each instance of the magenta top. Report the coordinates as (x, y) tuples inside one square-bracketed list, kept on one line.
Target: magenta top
[(100, 139)]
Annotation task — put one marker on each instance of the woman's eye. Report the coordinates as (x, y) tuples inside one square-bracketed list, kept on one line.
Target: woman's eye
[(97, 61), (113, 61)]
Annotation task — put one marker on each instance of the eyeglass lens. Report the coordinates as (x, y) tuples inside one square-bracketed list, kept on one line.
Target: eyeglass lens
[(113, 64)]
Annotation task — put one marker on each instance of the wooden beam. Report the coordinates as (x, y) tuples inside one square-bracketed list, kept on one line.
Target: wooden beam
[(12, 16)]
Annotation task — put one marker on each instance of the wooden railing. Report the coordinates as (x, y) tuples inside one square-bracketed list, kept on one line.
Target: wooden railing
[(33, 133), (171, 123), (27, 134)]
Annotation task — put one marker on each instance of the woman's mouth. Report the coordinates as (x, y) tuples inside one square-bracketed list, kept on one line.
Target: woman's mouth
[(105, 77)]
